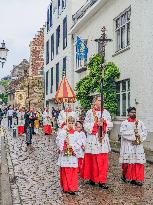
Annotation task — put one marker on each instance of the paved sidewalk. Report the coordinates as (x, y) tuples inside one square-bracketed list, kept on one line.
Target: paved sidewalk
[(34, 178)]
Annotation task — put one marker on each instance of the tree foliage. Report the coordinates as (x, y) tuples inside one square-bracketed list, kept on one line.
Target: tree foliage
[(4, 96), (91, 84)]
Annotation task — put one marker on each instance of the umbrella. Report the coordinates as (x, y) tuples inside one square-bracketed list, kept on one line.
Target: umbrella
[(65, 93)]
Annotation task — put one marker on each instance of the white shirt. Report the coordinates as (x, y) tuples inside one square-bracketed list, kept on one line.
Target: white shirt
[(93, 146), (68, 161), (10, 113)]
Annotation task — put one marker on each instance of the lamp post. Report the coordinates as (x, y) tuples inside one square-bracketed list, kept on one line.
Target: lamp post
[(102, 41), (3, 53)]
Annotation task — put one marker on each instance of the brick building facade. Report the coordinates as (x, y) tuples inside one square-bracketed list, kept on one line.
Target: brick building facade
[(36, 54)]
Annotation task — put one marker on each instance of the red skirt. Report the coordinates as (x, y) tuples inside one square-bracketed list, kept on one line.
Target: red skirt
[(20, 130), (69, 179), (47, 129), (80, 162), (95, 167), (133, 171)]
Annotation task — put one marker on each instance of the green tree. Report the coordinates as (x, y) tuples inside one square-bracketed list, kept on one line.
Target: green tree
[(91, 84), (4, 96)]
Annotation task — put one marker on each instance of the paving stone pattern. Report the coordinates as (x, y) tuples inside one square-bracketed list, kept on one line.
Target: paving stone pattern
[(34, 178)]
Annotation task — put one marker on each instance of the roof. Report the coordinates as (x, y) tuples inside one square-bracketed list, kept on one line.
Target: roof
[(85, 13)]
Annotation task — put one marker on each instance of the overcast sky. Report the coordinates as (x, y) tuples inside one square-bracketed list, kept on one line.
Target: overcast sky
[(19, 22)]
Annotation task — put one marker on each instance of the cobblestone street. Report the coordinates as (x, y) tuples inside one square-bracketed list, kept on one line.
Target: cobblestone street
[(34, 178)]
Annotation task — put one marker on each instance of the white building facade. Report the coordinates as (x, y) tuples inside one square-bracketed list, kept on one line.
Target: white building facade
[(58, 52), (129, 25)]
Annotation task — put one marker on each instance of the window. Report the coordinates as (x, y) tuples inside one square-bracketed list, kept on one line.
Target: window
[(47, 83), (57, 39), (122, 30), (64, 66), (63, 4), (47, 52), (47, 20), (64, 32), (59, 3), (51, 77), (123, 96), (51, 15), (52, 46), (57, 76)]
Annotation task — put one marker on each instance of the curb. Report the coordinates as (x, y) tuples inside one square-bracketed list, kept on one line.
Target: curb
[(6, 196)]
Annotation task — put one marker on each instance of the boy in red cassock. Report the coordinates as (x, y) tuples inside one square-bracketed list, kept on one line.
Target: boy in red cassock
[(69, 150)]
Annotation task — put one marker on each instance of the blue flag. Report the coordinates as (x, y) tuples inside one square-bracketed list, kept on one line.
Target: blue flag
[(81, 49)]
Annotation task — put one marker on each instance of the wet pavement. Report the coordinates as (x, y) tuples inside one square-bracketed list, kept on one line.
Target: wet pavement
[(34, 178)]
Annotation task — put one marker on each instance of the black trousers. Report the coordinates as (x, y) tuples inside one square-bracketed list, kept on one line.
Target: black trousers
[(9, 121), (28, 135)]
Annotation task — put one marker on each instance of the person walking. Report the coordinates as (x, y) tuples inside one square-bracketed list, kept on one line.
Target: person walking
[(132, 156), (21, 121), (95, 163), (69, 152), (1, 116), (10, 116)]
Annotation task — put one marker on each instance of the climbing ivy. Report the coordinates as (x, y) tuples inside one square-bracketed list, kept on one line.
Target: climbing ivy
[(91, 84)]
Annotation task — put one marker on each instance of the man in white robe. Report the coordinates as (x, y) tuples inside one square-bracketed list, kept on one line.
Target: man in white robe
[(132, 156), (95, 163)]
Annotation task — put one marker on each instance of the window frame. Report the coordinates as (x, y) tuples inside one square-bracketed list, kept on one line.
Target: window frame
[(58, 30), (64, 32), (127, 91), (51, 15), (51, 79), (47, 52), (46, 82), (57, 76), (64, 66), (52, 47), (118, 29)]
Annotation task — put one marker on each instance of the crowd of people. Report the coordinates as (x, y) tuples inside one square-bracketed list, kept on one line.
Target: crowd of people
[(30, 122), (84, 145), (83, 148)]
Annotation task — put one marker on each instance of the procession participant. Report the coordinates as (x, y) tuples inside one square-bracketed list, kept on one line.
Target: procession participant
[(32, 119), (21, 121), (15, 115), (1, 116), (65, 114), (69, 150), (95, 163), (82, 141), (47, 127), (37, 122), (29, 123), (10, 116), (132, 156)]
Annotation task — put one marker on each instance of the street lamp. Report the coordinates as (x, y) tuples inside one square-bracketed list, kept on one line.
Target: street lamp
[(3, 53), (102, 41)]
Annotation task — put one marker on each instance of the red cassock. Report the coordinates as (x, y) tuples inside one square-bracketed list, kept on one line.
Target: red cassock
[(69, 175), (133, 171), (80, 164), (20, 130), (69, 179), (47, 129), (95, 167)]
